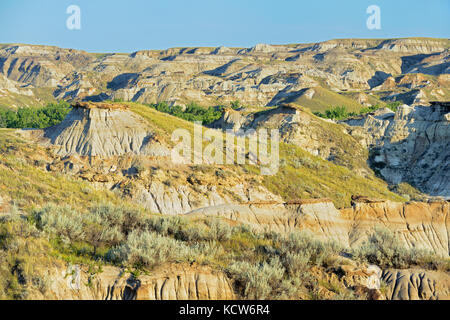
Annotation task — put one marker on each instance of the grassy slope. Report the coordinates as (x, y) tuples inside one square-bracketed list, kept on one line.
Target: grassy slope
[(29, 185), (325, 99), (317, 178), (14, 100), (314, 178)]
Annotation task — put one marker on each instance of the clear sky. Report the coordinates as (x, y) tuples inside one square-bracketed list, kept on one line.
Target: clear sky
[(130, 25)]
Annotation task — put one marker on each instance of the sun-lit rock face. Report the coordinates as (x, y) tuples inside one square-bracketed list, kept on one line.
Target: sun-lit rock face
[(298, 126), (109, 145), (409, 145), (416, 284), (417, 224), (167, 282), (103, 130), (261, 75)]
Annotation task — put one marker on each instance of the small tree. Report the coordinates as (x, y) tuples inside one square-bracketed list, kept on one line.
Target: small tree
[(235, 104), (337, 113)]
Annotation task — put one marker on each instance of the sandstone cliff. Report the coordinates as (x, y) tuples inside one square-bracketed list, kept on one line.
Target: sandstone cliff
[(418, 225), (416, 285), (168, 282), (411, 144)]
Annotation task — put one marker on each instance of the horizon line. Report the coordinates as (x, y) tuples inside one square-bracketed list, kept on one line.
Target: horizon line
[(219, 46)]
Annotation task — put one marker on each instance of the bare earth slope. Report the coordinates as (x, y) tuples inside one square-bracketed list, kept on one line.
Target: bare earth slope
[(413, 70), (127, 149), (104, 130)]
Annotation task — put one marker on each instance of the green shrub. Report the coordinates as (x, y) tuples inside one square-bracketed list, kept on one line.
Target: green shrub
[(384, 249), (32, 117), (340, 113), (257, 281), (192, 112), (335, 113), (147, 249), (394, 105), (301, 248), (235, 104)]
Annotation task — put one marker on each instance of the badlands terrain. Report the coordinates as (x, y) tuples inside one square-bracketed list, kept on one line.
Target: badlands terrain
[(351, 72), (92, 207)]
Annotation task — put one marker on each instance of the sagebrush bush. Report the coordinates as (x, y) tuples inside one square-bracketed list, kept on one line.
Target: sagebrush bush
[(257, 281), (103, 224), (123, 218), (263, 264), (147, 249), (219, 230), (194, 233), (296, 263), (61, 221), (210, 230), (287, 273), (302, 246), (384, 249), (166, 225)]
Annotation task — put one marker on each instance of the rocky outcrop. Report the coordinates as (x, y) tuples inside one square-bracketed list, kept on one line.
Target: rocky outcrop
[(167, 282), (181, 199), (112, 147), (194, 282), (409, 145), (103, 130), (298, 126), (416, 285), (259, 75), (161, 191), (392, 284), (417, 224)]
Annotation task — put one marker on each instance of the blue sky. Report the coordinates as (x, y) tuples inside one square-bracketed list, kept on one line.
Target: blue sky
[(130, 25)]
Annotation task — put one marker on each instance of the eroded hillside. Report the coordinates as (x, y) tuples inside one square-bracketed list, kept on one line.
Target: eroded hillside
[(409, 145), (350, 72), (96, 199)]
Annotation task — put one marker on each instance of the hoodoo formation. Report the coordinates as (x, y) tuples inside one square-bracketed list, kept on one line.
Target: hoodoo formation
[(103, 130)]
